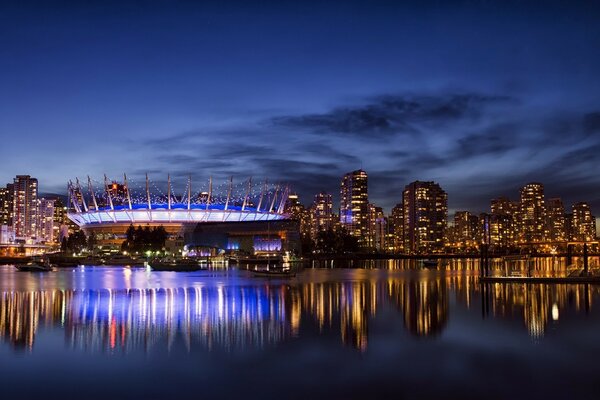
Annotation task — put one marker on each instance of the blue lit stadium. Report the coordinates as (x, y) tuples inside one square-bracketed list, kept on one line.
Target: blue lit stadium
[(112, 202), (108, 207)]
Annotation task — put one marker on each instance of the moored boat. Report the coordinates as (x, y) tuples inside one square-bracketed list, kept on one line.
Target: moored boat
[(177, 265), (35, 266)]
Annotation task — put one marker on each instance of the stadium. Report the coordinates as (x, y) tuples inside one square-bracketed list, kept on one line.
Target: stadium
[(243, 216)]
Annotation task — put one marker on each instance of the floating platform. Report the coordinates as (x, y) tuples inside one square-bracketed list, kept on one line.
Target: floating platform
[(539, 279)]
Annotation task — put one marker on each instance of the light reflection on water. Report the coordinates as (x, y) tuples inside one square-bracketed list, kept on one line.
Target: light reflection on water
[(100, 309), (389, 330)]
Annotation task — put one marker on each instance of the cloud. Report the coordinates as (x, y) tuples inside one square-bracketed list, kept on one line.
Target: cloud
[(476, 145), (391, 115)]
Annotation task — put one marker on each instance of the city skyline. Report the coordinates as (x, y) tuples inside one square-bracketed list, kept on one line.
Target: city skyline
[(304, 93)]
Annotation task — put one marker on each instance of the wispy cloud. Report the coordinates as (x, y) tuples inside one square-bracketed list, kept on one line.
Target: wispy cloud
[(476, 145)]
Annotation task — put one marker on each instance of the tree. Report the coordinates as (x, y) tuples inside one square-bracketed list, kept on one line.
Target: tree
[(143, 239), (92, 241)]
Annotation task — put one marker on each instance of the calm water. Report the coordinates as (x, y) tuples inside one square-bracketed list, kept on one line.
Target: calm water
[(383, 331)]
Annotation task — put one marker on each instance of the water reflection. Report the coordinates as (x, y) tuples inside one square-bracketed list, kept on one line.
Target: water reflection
[(252, 314)]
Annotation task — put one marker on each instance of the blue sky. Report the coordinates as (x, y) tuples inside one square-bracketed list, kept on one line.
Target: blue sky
[(480, 96)]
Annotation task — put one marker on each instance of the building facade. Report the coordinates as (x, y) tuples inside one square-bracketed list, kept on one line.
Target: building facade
[(5, 201), (584, 223), (532, 216), (25, 207), (425, 210), (555, 221), (321, 214), (45, 231), (354, 206), (397, 228)]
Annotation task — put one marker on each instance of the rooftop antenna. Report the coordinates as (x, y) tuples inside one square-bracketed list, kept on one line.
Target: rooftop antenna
[(209, 192), (168, 191), (148, 192), (229, 192), (286, 193), (107, 191), (85, 207), (91, 190), (127, 190), (189, 195), (262, 193), (274, 197), (74, 198), (247, 194)]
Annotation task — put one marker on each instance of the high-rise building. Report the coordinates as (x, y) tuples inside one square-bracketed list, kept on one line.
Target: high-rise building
[(321, 213), (569, 230), (584, 223), (379, 228), (532, 214), (466, 229), (397, 227), (503, 222), (5, 199), (45, 232), (555, 220), (25, 202), (299, 213), (425, 217), (354, 206)]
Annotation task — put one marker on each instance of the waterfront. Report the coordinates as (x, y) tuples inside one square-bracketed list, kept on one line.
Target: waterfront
[(118, 332)]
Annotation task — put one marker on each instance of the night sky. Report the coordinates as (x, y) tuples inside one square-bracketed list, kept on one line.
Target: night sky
[(480, 96)]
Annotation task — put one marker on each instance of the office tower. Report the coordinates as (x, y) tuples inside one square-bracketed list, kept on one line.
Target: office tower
[(425, 214), (466, 229), (354, 206), (555, 220), (321, 213), (532, 213), (5, 199), (503, 222), (299, 213), (569, 231), (397, 226), (379, 227), (45, 224), (24, 215), (584, 223)]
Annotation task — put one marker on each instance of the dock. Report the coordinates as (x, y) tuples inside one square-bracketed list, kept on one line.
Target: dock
[(540, 279)]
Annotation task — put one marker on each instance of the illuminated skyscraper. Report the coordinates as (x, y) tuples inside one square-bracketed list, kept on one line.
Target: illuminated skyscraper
[(584, 223), (45, 224), (378, 227), (299, 213), (25, 202), (425, 213), (466, 229), (503, 226), (321, 213), (5, 200), (555, 220), (532, 213), (354, 206), (397, 227)]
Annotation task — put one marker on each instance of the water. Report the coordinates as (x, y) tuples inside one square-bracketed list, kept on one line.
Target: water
[(386, 330)]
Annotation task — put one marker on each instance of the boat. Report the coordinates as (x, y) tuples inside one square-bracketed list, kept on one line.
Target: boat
[(119, 259), (91, 260), (274, 260), (274, 273), (35, 265), (176, 265)]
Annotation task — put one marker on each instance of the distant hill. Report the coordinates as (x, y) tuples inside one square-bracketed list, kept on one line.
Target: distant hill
[(63, 197)]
